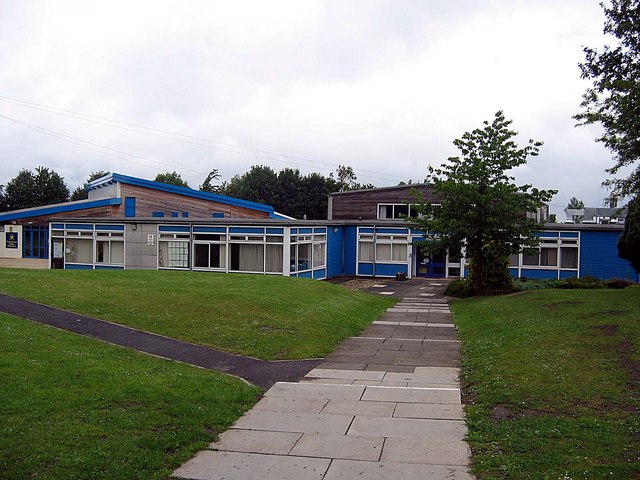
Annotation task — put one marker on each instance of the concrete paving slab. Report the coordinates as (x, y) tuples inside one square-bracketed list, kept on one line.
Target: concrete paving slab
[(314, 390), (294, 422), (389, 368), (360, 407), (345, 366), (210, 465), (414, 428), (350, 469), (370, 383), (386, 293), (427, 374), (435, 451), (346, 374), (339, 446), (412, 395), (291, 404), (327, 381), (436, 411), (256, 441)]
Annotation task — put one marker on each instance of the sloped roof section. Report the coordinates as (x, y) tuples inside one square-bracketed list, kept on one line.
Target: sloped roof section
[(58, 208), (187, 192)]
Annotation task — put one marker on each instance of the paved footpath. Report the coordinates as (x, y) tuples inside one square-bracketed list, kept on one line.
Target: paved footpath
[(385, 405)]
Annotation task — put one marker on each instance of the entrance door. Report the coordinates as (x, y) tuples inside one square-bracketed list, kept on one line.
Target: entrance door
[(431, 265)]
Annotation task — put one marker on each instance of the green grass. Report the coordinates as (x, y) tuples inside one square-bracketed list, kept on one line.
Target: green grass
[(268, 317), (550, 393), (76, 408)]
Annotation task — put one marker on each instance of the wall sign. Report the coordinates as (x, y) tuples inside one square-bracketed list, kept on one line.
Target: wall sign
[(150, 240), (12, 240)]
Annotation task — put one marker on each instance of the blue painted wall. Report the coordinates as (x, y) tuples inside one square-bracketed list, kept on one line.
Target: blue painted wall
[(599, 256), (540, 274), (334, 251), (350, 242)]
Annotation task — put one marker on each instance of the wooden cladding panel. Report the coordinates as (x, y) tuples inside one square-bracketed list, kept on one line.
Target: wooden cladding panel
[(364, 204), (148, 201), (98, 212)]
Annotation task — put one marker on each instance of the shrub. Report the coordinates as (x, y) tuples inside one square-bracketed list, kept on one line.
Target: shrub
[(583, 283), (459, 289), (618, 283)]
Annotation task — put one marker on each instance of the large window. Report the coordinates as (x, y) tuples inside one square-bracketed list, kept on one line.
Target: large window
[(85, 245), (173, 247), (210, 251), (556, 251), (383, 248), (308, 250)]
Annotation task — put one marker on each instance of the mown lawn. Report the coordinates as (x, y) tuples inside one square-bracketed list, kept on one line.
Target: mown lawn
[(552, 383), (76, 408), (268, 317)]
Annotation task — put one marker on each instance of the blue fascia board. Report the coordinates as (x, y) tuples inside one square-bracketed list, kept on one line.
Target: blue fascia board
[(58, 208), (190, 192)]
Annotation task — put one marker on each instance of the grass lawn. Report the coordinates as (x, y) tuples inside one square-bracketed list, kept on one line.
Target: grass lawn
[(75, 408), (268, 317), (552, 382)]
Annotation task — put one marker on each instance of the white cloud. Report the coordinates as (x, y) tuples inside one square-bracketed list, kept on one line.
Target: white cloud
[(384, 86)]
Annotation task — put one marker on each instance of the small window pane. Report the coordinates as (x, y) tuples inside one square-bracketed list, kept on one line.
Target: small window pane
[(383, 252), (569, 257), (400, 210), (532, 260), (318, 255), (549, 257), (304, 256), (117, 252), (366, 252), (399, 253)]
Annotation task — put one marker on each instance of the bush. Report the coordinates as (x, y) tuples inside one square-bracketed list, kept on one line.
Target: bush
[(583, 283), (618, 283), (459, 289)]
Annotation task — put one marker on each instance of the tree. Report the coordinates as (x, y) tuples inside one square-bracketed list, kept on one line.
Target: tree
[(481, 208), (346, 179), (29, 189), (207, 185), (171, 178), (629, 241), (614, 99), (575, 204), (3, 200), (80, 193)]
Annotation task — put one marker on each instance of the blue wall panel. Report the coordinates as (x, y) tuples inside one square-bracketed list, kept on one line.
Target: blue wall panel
[(320, 274), (304, 275), (365, 268), (533, 273), (389, 270), (350, 242), (334, 251), (77, 266), (108, 267), (568, 274), (599, 256)]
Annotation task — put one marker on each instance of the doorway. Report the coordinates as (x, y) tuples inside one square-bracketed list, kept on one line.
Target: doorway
[(430, 264)]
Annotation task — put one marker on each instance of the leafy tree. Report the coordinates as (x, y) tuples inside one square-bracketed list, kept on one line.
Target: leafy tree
[(481, 208), (346, 179), (171, 178), (629, 241), (29, 189), (614, 99), (256, 185), (553, 218), (80, 193), (3, 200), (207, 185), (575, 204)]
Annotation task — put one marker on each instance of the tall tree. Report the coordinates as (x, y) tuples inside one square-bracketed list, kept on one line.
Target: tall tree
[(3, 200), (80, 193), (481, 208), (29, 189), (171, 178), (614, 99), (207, 185), (629, 241), (575, 203), (256, 185)]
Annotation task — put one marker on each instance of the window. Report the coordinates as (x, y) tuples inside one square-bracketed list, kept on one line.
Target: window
[(247, 257), (366, 252), (568, 257), (549, 257), (319, 250), (210, 255), (78, 250), (393, 210), (110, 251)]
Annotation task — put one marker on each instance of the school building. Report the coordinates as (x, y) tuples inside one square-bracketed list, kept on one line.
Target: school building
[(132, 223)]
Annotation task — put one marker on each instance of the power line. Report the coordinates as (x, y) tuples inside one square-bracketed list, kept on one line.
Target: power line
[(189, 139), (95, 147)]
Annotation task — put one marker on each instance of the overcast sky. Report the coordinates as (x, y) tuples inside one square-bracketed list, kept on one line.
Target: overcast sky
[(382, 86)]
